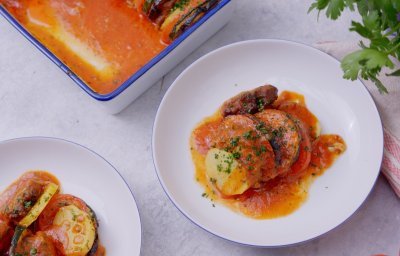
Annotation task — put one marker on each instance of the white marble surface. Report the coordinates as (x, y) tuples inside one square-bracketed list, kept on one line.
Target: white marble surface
[(36, 98)]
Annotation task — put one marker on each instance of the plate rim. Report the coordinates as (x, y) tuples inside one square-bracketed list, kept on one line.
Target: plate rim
[(49, 138), (266, 40)]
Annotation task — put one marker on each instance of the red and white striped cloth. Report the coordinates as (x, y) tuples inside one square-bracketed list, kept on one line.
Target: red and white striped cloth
[(391, 160), (389, 109)]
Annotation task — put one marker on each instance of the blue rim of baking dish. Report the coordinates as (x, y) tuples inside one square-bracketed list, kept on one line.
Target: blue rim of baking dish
[(183, 212), (132, 78)]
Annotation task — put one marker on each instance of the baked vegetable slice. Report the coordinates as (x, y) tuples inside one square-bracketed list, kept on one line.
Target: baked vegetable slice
[(158, 10), (240, 157), (74, 229), (50, 190), (225, 172), (301, 112), (282, 132), (18, 198), (71, 224), (183, 15)]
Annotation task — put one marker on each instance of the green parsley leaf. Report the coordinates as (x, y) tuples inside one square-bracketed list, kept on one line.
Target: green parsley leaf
[(380, 24), (364, 60), (335, 8)]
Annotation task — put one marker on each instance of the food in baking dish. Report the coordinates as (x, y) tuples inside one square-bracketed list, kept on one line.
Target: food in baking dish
[(36, 219), (105, 42), (259, 153)]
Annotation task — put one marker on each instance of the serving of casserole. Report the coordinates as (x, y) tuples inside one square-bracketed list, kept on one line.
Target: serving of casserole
[(116, 49)]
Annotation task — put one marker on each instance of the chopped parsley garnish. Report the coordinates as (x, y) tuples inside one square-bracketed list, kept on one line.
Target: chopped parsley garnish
[(27, 204), (181, 4), (235, 141), (249, 156), (262, 128), (236, 155), (260, 104), (263, 149), (229, 161), (279, 133), (247, 135)]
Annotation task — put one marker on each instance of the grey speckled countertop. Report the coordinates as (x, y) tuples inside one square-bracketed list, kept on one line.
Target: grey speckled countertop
[(36, 98)]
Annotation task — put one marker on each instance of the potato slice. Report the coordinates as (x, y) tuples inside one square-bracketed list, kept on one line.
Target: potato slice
[(225, 172)]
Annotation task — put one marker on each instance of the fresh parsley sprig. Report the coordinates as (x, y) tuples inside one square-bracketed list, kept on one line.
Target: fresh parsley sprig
[(380, 25)]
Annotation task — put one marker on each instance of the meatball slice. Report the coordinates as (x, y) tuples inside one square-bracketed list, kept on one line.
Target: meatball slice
[(240, 156), (6, 234), (38, 244), (301, 112), (283, 134), (18, 198), (250, 102)]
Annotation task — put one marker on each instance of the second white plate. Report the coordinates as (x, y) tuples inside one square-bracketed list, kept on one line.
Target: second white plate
[(86, 175), (343, 107)]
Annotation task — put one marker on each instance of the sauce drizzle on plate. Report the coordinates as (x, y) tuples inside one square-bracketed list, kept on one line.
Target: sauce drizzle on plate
[(287, 191)]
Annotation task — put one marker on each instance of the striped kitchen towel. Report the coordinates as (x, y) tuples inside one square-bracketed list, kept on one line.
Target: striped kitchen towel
[(391, 160), (389, 109)]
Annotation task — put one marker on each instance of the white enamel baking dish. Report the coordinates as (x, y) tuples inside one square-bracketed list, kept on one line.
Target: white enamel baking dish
[(155, 69)]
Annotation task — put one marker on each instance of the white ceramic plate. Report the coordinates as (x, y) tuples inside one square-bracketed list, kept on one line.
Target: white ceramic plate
[(343, 107), (85, 174)]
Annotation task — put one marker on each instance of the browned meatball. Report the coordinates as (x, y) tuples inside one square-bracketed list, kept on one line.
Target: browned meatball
[(282, 132), (20, 196), (20, 200), (6, 233), (250, 102), (38, 244)]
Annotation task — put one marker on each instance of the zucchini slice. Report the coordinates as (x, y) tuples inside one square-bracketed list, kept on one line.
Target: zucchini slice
[(77, 230), (50, 190), (19, 197), (184, 16), (62, 207), (33, 214), (194, 15), (14, 241)]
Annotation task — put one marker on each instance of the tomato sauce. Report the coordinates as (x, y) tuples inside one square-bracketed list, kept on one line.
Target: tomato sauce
[(284, 194), (17, 201), (102, 42)]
